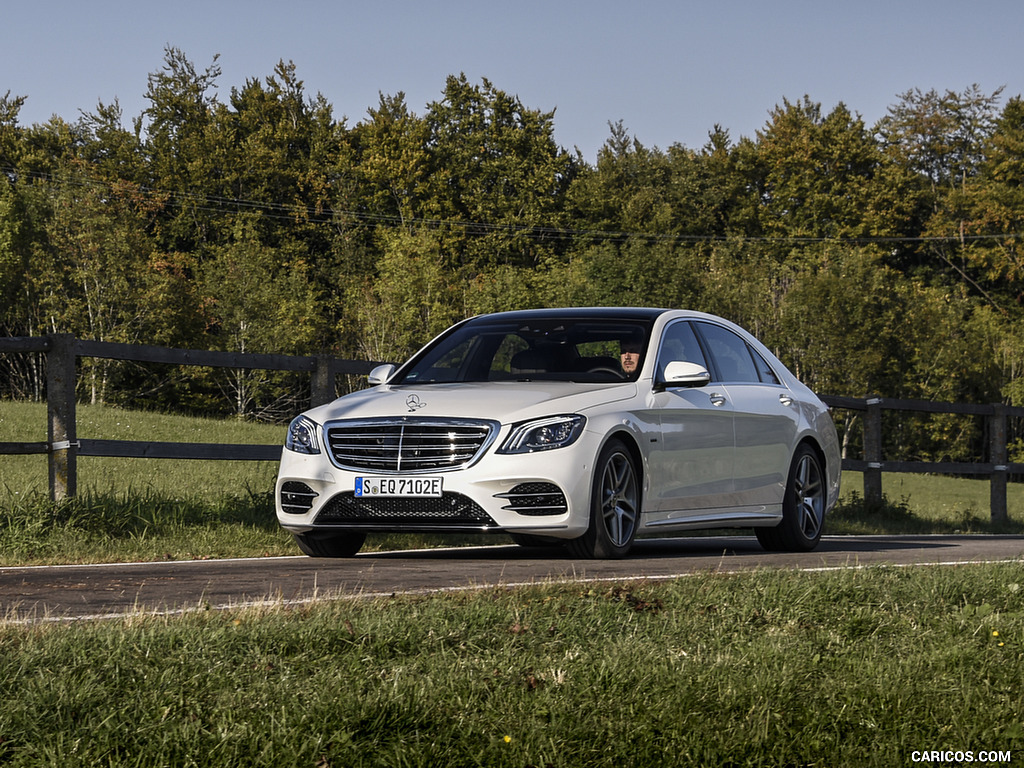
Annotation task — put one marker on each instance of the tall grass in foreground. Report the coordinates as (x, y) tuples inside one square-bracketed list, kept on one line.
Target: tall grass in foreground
[(853, 668)]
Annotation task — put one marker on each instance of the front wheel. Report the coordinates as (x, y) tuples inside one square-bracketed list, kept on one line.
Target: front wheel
[(330, 545), (803, 508), (614, 506)]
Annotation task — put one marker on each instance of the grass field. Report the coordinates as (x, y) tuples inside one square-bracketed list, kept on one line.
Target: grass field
[(772, 668), (147, 509)]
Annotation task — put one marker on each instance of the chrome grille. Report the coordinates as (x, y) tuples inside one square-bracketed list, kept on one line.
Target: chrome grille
[(408, 445)]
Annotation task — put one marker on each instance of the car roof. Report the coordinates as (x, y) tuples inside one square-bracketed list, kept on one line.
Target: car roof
[(612, 313)]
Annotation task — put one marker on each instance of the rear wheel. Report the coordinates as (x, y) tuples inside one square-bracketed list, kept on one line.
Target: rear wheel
[(614, 506), (330, 544), (803, 508)]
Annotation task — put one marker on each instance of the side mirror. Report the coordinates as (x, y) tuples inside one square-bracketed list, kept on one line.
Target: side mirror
[(381, 374), (682, 374)]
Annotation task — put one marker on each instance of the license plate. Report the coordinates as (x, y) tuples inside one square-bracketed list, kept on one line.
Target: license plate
[(398, 486)]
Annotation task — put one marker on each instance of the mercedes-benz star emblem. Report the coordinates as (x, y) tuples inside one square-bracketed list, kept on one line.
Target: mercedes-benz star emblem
[(414, 403)]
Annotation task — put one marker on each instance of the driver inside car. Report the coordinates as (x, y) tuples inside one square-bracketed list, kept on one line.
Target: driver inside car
[(629, 357)]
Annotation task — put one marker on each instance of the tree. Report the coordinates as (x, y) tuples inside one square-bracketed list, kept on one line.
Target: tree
[(411, 300), (823, 176), (98, 274), (258, 300), (393, 160), (995, 206), (496, 177), (185, 158)]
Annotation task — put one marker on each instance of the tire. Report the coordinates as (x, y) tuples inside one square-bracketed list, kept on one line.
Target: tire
[(330, 545), (803, 507), (614, 506)]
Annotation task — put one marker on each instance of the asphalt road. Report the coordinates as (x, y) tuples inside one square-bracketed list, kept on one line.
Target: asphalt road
[(101, 591)]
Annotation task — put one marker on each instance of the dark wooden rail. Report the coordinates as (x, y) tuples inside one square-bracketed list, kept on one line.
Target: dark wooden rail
[(998, 468), (63, 446)]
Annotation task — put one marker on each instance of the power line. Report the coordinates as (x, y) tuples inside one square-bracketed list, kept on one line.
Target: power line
[(334, 216)]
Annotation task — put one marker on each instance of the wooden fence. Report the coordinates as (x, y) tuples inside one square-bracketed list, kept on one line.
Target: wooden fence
[(998, 468), (63, 446)]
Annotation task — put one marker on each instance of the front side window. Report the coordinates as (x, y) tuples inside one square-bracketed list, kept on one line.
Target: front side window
[(679, 343)]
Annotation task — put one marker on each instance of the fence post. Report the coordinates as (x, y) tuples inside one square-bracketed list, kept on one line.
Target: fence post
[(873, 451), (60, 409), (323, 381), (998, 456)]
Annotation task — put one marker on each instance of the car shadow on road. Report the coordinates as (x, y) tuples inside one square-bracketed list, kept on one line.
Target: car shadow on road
[(694, 546)]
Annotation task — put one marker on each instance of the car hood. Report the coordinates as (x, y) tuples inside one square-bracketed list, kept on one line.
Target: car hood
[(505, 402)]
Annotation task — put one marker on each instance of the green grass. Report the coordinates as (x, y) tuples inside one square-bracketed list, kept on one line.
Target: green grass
[(149, 509), (27, 475), (760, 669), (921, 504)]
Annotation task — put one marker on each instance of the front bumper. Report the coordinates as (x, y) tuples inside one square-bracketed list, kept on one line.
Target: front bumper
[(545, 493)]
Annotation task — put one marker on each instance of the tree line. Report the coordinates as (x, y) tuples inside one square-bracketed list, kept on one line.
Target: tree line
[(878, 258)]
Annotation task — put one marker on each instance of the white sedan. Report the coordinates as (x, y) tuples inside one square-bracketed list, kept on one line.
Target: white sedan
[(586, 427)]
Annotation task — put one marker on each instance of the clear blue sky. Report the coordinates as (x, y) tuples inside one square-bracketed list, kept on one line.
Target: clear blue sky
[(669, 69)]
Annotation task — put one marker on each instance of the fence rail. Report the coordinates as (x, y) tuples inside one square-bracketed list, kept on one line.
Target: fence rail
[(998, 468), (63, 447)]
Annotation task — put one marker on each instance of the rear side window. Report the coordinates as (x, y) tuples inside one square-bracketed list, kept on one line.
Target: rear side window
[(734, 358), (763, 369)]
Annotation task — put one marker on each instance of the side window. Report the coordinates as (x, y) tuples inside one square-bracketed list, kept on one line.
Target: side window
[(679, 342), (763, 369), (730, 353)]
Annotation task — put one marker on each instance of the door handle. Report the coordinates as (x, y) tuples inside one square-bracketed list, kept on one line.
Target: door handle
[(716, 399), (785, 399)]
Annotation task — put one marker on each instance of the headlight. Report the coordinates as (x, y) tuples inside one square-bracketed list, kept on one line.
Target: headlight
[(302, 436), (544, 434)]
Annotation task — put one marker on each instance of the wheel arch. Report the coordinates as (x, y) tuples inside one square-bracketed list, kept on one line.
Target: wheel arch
[(831, 470), (814, 445), (629, 440)]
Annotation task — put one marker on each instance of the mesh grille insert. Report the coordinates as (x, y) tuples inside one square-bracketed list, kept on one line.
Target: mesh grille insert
[(450, 509)]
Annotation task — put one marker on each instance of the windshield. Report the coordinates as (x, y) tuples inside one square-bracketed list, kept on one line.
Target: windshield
[(548, 349)]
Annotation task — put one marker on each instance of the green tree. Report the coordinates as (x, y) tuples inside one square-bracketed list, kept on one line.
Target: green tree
[(98, 274), (258, 300), (995, 207), (186, 159), (823, 176), (412, 299), (942, 139), (496, 178), (393, 161)]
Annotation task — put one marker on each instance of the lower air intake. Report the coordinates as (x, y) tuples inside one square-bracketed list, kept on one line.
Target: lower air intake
[(452, 510), (536, 499)]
